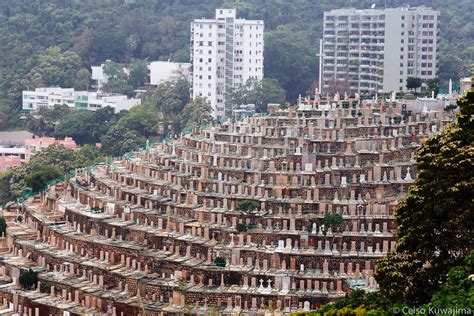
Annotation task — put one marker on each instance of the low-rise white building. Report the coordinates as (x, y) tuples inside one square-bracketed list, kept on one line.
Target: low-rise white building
[(161, 71), (99, 78), (158, 72), (49, 97)]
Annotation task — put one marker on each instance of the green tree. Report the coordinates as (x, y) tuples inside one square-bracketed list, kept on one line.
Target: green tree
[(247, 206), (80, 125), (138, 73), (55, 68), (117, 79), (56, 155), (37, 180), (290, 59), (28, 279), (196, 113), (220, 262), (258, 92), (171, 96), (457, 292), (120, 140), (413, 83), (87, 155), (332, 220), (5, 193), (45, 120), (143, 119), (435, 223), (432, 85), (82, 79), (3, 226)]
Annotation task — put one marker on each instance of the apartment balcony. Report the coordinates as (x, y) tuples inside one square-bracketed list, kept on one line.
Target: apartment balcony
[(342, 48)]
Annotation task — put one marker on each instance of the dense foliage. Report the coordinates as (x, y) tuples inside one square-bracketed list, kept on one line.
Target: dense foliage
[(28, 279), (247, 206), (258, 92), (458, 291), (38, 180), (55, 42), (3, 226), (436, 222), (49, 164), (357, 303)]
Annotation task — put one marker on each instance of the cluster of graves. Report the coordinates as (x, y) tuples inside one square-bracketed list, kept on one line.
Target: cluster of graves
[(276, 213)]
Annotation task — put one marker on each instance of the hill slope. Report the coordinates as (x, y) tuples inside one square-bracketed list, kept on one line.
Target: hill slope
[(123, 30)]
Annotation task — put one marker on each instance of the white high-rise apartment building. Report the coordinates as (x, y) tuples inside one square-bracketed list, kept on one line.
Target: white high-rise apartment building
[(225, 53), (375, 50)]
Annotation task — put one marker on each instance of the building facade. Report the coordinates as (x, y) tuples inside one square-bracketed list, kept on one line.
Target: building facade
[(225, 53), (51, 96), (161, 71), (374, 50)]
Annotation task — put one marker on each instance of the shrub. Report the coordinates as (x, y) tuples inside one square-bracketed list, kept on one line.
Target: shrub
[(241, 227), (3, 226), (247, 205), (28, 279), (220, 262)]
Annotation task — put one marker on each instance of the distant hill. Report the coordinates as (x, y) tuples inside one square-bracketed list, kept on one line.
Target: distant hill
[(123, 30)]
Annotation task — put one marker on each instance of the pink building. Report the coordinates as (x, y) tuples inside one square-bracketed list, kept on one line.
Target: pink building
[(37, 144), (7, 162), (466, 84)]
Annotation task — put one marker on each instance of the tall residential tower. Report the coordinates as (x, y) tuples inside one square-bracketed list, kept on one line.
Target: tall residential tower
[(225, 53), (376, 50)]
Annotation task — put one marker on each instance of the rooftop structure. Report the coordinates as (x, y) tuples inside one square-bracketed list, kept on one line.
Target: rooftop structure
[(228, 219), (376, 50), (51, 96), (225, 53), (14, 138)]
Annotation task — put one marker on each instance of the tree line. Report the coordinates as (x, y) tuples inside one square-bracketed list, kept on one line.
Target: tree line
[(55, 42)]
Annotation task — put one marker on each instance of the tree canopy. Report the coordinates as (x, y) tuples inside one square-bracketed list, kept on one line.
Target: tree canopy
[(37, 180), (3, 226), (196, 113), (258, 92), (55, 42), (436, 222), (414, 83)]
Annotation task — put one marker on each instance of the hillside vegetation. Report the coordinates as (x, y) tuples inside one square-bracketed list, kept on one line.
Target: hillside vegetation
[(55, 42)]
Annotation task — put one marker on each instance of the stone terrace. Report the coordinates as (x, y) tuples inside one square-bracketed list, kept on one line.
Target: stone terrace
[(142, 235)]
